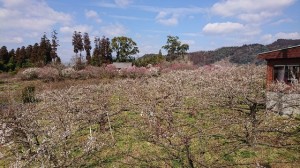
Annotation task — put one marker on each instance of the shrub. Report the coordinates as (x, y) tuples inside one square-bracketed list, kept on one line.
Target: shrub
[(69, 73), (28, 94), (48, 74), (166, 67), (110, 71), (30, 74), (133, 72)]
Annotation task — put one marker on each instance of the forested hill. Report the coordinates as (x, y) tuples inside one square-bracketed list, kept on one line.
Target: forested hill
[(240, 55)]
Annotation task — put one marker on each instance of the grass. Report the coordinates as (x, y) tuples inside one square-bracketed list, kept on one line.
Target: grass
[(153, 122)]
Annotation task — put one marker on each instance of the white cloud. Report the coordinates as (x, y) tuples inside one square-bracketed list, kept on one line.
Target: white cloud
[(22, 22), (91, 14), (123, 3), (113, 30), (269, 38), (167, 19), (282, 35), (257, 17), (171, 16), (250, 10), (223, 28), (30, 15), (78, 28), (13, 3), (16, 40)]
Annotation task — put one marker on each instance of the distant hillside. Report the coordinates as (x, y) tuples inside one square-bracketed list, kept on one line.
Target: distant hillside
[(241, 55)]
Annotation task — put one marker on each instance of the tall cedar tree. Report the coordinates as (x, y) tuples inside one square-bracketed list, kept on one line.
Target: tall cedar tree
[(77, 42), (28, 55), (54, 45), (17, 57), (96, 53), (22, 57), (34, 54), (74, 42), (44, 51), (3, 58), (11, 65), (87, 47), (78, 47), (105, 51)]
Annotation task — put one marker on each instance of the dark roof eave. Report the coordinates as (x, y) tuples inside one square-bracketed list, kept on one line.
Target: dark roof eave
[(261, 55)]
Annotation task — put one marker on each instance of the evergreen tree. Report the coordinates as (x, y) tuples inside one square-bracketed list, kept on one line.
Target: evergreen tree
[(54, 45), (159, 53), (77, 42), (11, 65), (96, 53), (78, 47), (17, 56), (28, 56), (4, 57), (44, 51), (74, 42), (105, 51), (22, 57), (35, 54), (87, 47)]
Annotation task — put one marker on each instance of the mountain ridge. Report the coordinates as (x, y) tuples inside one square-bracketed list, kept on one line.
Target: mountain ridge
[(244, 54)]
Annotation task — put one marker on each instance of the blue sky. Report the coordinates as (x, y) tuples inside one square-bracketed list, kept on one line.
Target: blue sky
[(203, 24)]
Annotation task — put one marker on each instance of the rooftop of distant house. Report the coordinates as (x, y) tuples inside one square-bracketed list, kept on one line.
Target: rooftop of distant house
[(289, 52)]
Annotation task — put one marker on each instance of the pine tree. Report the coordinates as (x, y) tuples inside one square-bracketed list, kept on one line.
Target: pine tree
[(87, 47)]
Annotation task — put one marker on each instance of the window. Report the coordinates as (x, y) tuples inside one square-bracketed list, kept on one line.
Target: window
[(286, 73)]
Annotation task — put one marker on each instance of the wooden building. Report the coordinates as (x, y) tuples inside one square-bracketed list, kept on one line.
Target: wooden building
[(283, 65)]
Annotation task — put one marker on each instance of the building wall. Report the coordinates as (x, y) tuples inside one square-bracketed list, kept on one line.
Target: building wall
[(283, 61)]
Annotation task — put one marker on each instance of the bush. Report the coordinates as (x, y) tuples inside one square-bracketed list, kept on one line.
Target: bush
[(30, 74), (166, 67), (69, 73), (45, 73), (48, 74), (28, 94)]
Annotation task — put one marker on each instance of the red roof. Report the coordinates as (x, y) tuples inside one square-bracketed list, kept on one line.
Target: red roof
[(290, 52)]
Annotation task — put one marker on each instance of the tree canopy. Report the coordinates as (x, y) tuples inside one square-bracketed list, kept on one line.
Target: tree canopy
[(174, 48), (124, 47)]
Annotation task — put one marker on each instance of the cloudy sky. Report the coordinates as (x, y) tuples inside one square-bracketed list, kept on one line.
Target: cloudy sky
[(203, 24)]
